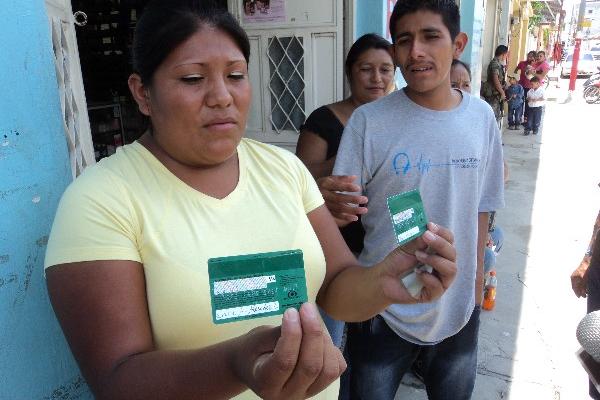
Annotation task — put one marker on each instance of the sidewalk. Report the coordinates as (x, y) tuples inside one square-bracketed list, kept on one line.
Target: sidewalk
[(527, 344)]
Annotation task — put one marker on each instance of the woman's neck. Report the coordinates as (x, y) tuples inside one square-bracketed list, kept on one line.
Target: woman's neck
[(213, 180)]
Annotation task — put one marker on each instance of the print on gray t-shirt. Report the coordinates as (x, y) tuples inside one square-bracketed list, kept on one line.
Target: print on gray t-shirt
[(455, 159)]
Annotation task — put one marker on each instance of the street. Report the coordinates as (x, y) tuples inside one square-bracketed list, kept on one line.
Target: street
[(527, 344)]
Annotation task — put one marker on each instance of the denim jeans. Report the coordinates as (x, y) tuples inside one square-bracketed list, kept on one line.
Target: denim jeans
[(334, 327), (514, 114), (535, 118), (526, 108), (380, 358), (489, 259)]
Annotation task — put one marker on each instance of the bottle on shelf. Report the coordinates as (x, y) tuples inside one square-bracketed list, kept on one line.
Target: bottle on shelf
[(489, 293)]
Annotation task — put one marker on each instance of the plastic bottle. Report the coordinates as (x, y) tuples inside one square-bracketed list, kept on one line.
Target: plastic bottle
[(489, 294)]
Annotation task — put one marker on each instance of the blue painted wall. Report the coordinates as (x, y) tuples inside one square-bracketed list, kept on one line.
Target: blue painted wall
[(35, 360), (371, 17), (472, 14)]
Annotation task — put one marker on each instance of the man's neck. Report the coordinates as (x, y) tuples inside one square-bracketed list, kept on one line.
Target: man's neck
[(442, 98)]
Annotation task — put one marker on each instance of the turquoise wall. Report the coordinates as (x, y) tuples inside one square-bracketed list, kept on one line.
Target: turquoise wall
[(371, 17), (35, 360), (472, 14)]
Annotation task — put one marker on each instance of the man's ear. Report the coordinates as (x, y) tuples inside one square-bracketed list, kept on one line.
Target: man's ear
[(139, 93), (460, 42), (392, 51)]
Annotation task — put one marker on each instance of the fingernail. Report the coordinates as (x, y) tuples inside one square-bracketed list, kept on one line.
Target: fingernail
[(429, 236), (420, 254), (291, 314), (310, 310), (434, 227)]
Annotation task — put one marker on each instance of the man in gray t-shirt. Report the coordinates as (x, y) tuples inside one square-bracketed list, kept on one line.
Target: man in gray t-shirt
[(445, 143), (454, 158)]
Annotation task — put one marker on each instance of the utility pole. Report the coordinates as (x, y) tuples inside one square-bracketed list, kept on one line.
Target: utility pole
[(573, 75)]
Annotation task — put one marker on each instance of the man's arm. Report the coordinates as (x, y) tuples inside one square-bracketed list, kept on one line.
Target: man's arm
[(498, 85), (482, 236), (579, 276), (542, 72)]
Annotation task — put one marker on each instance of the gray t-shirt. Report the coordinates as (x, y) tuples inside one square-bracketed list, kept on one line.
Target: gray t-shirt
[(455, 159)]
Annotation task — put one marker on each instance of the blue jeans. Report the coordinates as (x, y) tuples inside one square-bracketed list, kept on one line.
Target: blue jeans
[(489, 259), (514, 114), (535, 119), (380, 358), (334, 327)]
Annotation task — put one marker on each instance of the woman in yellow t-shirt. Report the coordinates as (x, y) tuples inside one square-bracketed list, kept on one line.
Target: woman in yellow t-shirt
[(127, 259)]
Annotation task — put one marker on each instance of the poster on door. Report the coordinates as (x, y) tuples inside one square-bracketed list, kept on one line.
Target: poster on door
[(259, 11)]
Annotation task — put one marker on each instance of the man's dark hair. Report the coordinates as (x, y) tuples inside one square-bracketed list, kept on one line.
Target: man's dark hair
[(532, 52), (500, 50), (534, 79), (447, 9), (466, 66), (364, 43)]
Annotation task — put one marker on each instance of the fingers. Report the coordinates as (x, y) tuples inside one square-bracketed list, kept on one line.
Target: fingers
[(333, 366), (310, 358), (441, 231), (272, 370), (342, 205), (433, 287), (338, 183)]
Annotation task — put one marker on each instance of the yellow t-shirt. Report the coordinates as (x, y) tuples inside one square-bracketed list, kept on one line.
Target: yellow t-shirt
[(131, 207)]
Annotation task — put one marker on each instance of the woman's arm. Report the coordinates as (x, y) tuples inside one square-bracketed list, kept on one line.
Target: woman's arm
[(312, 150), (354, 293), (102, 308)]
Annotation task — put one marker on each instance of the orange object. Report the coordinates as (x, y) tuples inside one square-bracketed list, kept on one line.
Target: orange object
[(489, 295)]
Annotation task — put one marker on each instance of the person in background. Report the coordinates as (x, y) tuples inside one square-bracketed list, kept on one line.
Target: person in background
[(128, 254), (493, 89), (460, 76), (536, 99), (527, 71), (541, 67), (370, 71), (585, 280), (515, 97)]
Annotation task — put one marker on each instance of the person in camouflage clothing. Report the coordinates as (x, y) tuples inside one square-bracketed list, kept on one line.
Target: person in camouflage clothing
[(493, 89)]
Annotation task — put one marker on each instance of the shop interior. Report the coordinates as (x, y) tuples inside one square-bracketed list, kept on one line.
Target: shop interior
[(104, 39)]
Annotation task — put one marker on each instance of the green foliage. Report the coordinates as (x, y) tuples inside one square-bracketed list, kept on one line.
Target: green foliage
[(537, 17)]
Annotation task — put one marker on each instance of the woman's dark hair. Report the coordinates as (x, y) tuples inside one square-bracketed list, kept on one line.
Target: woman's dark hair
[(466, 66), (363, 44), (447, 9), (502, 49), (164, 25)]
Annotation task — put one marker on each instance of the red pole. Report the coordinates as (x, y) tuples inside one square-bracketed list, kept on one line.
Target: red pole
[(574, 65)]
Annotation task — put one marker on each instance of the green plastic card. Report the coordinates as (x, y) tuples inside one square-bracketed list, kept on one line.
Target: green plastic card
[(256, 285), (408, 215)]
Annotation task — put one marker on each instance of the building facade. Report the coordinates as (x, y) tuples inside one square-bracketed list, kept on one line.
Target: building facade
[(52, 126)]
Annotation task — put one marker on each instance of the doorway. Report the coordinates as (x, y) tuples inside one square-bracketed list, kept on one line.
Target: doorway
[(104, 39)]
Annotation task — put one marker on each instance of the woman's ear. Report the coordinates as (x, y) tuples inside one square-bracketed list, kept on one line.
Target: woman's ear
[(140, 94)]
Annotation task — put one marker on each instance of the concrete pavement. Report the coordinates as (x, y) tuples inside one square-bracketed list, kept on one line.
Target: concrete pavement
[(527, 344)]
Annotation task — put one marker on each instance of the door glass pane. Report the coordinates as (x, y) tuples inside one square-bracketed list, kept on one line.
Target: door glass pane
[(286, 83)]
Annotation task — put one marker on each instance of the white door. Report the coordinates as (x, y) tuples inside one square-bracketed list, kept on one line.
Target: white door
[(70, 85), (296, 63)]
